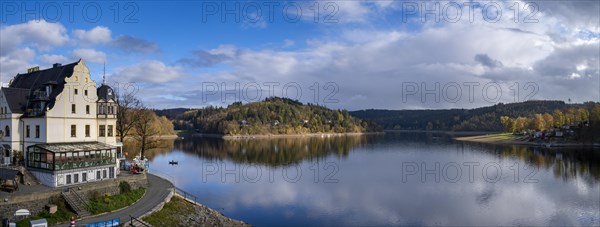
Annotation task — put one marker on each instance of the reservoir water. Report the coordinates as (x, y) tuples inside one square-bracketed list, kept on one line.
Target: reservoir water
[(392, 179)]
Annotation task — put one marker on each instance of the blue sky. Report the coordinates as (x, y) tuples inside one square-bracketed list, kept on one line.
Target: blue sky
[(355, 55)]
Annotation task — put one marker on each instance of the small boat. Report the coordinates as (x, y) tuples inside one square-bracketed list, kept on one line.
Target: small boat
[(173, 162)]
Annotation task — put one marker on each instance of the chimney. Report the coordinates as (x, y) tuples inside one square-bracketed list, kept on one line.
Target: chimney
[(56, 65), (33, 69)]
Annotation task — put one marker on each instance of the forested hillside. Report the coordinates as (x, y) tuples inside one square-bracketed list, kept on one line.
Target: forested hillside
[(271, 116), (479, 119)]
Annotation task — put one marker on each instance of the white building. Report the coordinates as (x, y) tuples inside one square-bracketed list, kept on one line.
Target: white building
[(62, 124)]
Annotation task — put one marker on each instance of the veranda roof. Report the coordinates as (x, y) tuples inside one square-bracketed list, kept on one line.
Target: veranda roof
[(69, 147)]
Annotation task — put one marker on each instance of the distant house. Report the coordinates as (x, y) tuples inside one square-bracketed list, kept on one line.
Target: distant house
[(62, 123), (558, 133)]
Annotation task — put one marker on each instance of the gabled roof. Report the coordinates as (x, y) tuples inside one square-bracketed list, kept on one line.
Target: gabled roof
[(34, 81), (16, 98)]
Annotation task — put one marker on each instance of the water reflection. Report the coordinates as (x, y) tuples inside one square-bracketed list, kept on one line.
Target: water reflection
[(373, 186), (565, 163), (275, 151)]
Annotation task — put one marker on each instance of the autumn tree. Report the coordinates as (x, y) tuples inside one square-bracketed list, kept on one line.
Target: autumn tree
[(508, 123), (549, 120), (559, 118), (146, 130), (521, 124), (165, 125)]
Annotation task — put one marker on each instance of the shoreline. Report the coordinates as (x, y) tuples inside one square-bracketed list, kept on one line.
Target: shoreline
[(274, 136), (494, 139), (201, 211), (452, 133)]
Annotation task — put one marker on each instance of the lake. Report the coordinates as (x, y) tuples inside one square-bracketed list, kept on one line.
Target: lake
[(400, 178)]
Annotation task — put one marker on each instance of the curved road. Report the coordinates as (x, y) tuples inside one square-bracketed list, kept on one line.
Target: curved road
[(158, 190)]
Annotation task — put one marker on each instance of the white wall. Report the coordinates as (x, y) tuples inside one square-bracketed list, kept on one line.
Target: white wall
[(61, 177), (60, 117)]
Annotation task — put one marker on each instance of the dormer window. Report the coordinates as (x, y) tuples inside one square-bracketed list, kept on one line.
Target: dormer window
[(48, 89)]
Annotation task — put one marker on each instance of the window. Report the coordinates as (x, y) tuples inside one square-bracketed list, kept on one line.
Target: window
[(75, 90), (85, 91), (69, 179), (110, 131), (102, 129), (73, 130), (73, 108), (111, 172), (98, 175), (103, 173), (87, 109), (27, 131), (37, 131), (83, 177), (75, 178), (87, 130), (7, 131)]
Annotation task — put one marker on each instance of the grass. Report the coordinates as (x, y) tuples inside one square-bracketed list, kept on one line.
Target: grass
[(172, 213), (107, 203)]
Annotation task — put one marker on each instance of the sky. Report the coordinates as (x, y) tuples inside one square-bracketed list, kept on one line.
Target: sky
[(340, 54)]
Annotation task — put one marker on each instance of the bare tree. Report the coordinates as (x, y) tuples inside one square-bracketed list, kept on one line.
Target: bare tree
[(128, 105), (145, 129)]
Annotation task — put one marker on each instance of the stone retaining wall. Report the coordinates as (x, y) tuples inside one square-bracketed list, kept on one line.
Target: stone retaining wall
[(35, 202)]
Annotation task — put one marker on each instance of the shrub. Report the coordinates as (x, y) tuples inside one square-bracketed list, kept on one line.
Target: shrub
[(94, 195), (124, 187)]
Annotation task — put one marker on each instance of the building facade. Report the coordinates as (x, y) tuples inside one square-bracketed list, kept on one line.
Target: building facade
[(61, 123)]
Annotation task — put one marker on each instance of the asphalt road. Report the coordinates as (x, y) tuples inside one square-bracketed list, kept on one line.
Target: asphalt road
[(158, 190)]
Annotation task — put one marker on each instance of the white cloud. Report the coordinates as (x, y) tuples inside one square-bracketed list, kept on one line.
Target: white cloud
[(153, 72), (90, 55), (17, 61), (52, 58), (41, 35), (97, 35)]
